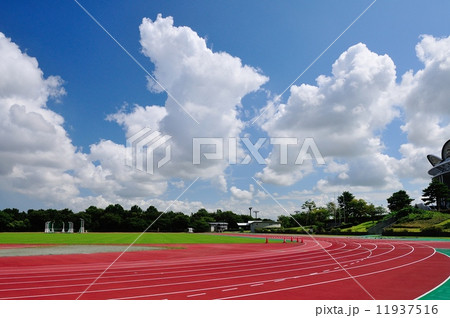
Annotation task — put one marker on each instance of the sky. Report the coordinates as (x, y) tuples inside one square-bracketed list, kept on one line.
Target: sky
[(279, 102)]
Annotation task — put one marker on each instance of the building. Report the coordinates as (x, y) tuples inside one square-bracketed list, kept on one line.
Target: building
[(441, 166), (218, 226), (254, 225)]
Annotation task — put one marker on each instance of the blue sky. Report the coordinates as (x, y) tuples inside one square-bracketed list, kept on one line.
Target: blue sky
[(372, 123)]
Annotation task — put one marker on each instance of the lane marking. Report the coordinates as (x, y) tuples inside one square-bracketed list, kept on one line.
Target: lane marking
[(196, 295), (139, 287), (369, 273), (225, 290)]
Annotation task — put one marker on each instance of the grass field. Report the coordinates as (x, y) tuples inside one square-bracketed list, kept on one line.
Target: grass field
[(121, 238), (363, 227)]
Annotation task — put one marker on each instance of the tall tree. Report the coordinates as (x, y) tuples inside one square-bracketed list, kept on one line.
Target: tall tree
[(309, 206), (344, 203), (436, 192), (399, 200)]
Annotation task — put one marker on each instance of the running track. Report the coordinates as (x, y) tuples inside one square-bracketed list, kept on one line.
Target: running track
[(348, 269)]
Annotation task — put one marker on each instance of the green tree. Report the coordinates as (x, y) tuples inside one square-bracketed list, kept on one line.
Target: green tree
[(286, 221), (5, 220), (136, 210), (309, 206), (357, 209), (321, 216), (37, 219), (180, 222), (228, 216), (150, 215), (399, 200), (436, 192), (343, 201), (92, 217)]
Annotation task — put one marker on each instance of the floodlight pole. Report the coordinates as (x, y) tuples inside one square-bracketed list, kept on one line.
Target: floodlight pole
[(250, 208), (256, 214)]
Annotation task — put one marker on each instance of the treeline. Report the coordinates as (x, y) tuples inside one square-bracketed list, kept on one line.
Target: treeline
[(347, 211), (115, 218)]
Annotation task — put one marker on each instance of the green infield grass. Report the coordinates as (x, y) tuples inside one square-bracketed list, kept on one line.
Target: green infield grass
[(121, 238), (443, 291)]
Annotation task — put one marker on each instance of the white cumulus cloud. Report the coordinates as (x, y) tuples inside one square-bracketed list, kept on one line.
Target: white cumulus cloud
[(343, 113)]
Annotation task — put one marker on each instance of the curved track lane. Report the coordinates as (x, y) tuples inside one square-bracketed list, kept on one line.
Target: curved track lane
[(348, 269)]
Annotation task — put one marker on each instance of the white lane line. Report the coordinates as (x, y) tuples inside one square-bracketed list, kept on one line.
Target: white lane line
[(147, 278), (139, 287), (42, 287), (334, 280), (302, 286), (144, 264), (279, 280), (156, 278), (254, 285), (113, 282), (147, 272), (225, 290), (444, 282), (141, 296), (124, 267), (196, 295)]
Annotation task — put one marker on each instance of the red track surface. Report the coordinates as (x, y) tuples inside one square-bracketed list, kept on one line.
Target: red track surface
[(346, 269)]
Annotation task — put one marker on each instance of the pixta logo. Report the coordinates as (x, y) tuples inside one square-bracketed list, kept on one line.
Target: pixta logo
[(141, 148), (213, 149)]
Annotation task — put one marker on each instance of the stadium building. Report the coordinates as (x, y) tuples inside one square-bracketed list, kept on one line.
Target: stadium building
[(441, 166)]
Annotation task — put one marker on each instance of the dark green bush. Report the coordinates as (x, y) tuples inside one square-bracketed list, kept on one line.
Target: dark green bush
[(432, 231)]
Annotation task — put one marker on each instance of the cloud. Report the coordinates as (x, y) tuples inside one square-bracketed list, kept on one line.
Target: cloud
[(426, 104), (39, 159), (344, 114), (140, 117), (242, 195), (207, 86), (37, 156)]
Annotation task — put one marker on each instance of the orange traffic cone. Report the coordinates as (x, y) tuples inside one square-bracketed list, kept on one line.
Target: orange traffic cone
[(297, 239), (267, 240), (292, 239), (284, 240)]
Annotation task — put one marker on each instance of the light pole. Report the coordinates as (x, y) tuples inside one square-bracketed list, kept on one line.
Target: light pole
[(256, 214), (250, 208)]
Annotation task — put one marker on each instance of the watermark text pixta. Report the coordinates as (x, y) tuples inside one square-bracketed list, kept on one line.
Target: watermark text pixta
[(207, 148)]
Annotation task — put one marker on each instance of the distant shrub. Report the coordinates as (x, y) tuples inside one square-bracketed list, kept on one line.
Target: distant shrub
[(410, 211), (432, 231), (335, 231)]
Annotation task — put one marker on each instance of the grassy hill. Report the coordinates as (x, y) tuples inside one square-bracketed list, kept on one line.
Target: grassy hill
[(359, 228), (410, 222), (420, 222)]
